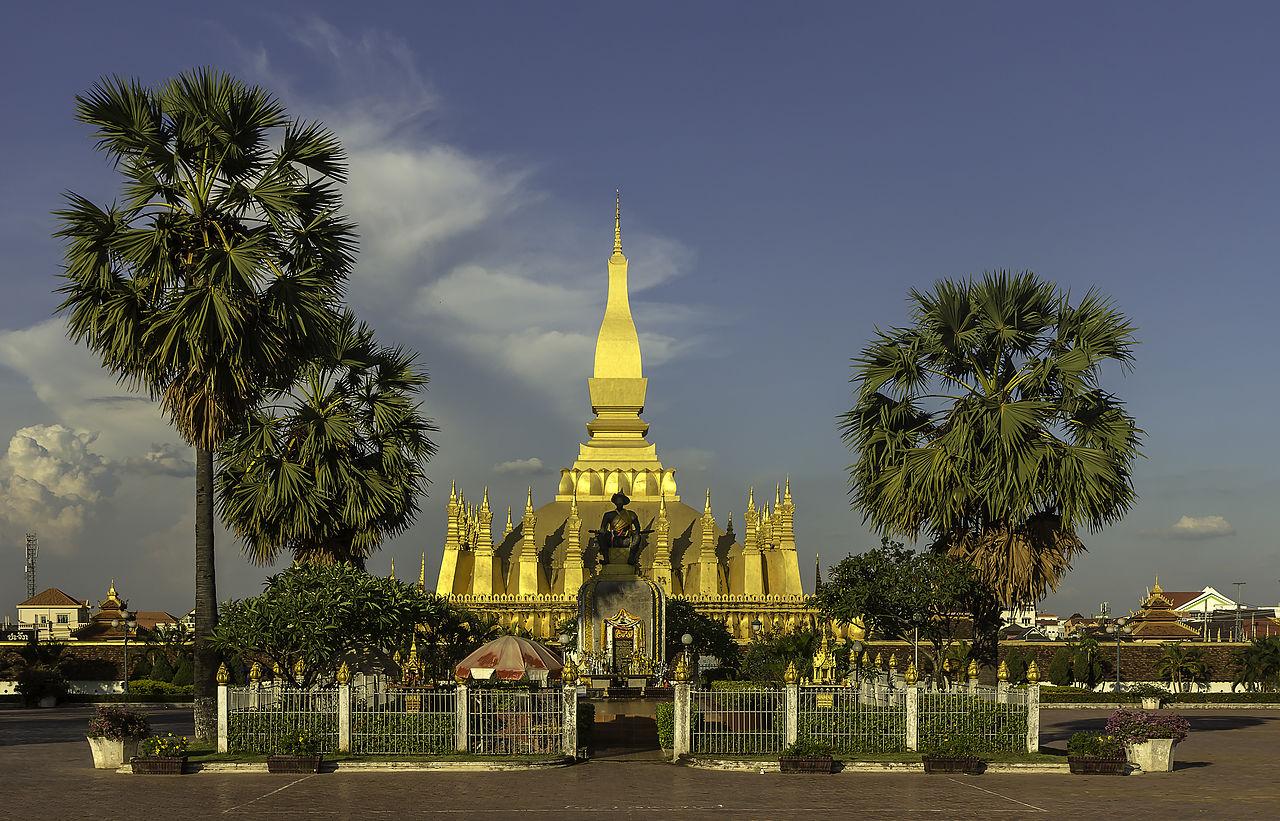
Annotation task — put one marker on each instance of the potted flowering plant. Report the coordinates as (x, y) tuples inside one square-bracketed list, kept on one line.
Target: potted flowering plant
[(1151, 695), (296, 752), (806, 755), (1096, 754), (1149, 738), (953, 753), (161, 755), (113, 734)]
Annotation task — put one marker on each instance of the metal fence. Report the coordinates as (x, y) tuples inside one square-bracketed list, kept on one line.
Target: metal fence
[(737, 722), (515, 722), (263, 719), (996, 719), (413, 721), (871, 719)]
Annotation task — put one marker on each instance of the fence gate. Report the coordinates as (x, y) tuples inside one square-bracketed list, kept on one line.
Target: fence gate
[(410, 720), (737, 722), (515, 722)]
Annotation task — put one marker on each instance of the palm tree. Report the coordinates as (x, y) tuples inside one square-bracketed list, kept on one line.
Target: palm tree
[(1182, 666), (217, 274), (1258, 665), (337, 467), (1086, 661), (984, 427)]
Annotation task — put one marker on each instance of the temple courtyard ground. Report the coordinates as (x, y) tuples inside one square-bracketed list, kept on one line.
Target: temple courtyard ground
[(1225, 770)]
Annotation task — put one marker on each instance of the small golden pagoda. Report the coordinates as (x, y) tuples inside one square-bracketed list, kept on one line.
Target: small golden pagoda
[(1156, 620), (530, 576)]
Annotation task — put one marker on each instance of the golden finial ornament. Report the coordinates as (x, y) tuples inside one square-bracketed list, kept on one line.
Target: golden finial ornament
[(255, 673), (893, 662), (910, 676), (393, 570), (682, 672), (344, 674), (276, 672), (973, 670), (570, 672), (791, 675), (617, 222), (1033, 673), (866, 658), (880, 660), (223, 675), (1002, 672), (299, 668)]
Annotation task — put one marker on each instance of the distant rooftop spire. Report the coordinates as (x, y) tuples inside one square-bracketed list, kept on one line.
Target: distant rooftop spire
[(617, 222)]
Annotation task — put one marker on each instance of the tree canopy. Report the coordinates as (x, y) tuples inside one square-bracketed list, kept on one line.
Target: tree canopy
[(710, 636), (899, 593), (985, 427)]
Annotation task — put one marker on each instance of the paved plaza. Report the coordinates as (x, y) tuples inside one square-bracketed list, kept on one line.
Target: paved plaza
[(1226, 770)]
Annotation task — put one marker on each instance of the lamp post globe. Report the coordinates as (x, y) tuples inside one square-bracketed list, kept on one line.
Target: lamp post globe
[(757, 626)]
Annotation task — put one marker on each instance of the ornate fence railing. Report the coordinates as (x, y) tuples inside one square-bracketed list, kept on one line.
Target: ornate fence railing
[(994, 718), (737, 722), (407, 720), (261, 718), (871, 719), (515, 722)]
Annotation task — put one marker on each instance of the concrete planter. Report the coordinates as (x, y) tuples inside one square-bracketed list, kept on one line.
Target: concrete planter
[(110, 753), (1155, 755), (1151, 702)]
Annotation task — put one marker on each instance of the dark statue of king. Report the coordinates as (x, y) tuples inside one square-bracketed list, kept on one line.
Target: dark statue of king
[(619, 535)]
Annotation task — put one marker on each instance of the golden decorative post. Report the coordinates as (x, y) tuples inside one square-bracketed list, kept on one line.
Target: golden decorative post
[(344, 674), (791, 675), (973, 670), (911, 676), (255, 673), (570, 672), (276, 672), (299, 667), (893, 662), (1033, 673), (223, 675), (879, 661), (682, 673), (1002, 672)]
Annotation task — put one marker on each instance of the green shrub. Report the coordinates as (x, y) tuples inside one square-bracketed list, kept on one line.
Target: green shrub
[(141, 669), (805, 747), (1079, 695), (1226, 698), (990, 727), (163, 746), (37, 682), (390, 733), (184, 675), (265, 733), (161, 670), (666, 717), (1060, 667), (1096, 745), (866, 729), (954, 745), (733, 685)]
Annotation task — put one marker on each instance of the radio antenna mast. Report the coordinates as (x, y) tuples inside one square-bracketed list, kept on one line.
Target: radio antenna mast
[(32, 549)]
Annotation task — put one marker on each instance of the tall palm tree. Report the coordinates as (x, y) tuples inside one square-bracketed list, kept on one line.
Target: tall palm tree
[(1258, 665), (337, 466), (217, 273), (984, 427), (1181, 666)]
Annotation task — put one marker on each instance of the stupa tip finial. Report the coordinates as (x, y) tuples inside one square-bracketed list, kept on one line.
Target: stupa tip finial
[(484, 503), (786, 492), (707, 509), (453, 490), (617, 221), (528, 502), (422, 572), (393, 569)]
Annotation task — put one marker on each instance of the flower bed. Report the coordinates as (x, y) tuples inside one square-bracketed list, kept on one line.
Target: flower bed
[(1096, 754), (161, 755)]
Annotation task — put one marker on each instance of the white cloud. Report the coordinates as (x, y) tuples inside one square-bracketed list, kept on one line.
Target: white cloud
[(50, 481), (163, 459), (520, 467), (1199, 527)]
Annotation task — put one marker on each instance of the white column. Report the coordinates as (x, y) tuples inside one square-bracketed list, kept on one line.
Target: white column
[(1033, 718), (344, 717), (224, 715), (570, 720), (461, 703), (912, 697), (683, 719), (791, 718)]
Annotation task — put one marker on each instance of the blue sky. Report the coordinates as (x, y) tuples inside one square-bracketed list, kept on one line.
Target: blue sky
[(787, 174)]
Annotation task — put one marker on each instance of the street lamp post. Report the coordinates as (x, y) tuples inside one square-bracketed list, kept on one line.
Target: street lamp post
[(1238, 629), (129, 621), (855, 656), (687, 641), (1120, 629)]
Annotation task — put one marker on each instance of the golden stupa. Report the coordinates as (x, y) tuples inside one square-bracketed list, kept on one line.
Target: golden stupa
[(530, 576)]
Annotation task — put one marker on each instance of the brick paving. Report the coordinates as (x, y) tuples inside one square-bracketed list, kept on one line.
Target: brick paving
[(1226, 770)]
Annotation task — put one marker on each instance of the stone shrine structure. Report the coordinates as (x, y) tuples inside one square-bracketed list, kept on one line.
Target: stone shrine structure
[(530, 574)]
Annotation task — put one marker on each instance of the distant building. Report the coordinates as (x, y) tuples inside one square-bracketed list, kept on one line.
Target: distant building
[(1157, 620), (1020, 615), (53, 614), (103, 624)]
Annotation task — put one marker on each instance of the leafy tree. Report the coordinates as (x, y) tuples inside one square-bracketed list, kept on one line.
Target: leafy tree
[(325, 614), (337, 467), (1182, 666), (215, 277), (1087, 665), (1016, 662), (1059, 672), (1257, 666), (161, 669), (984, 427), (142, 669), (182, 676), (767, 656), (710, 636), (900, 593)]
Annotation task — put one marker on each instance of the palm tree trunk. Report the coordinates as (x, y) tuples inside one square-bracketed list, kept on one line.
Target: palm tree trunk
[(206, 659)]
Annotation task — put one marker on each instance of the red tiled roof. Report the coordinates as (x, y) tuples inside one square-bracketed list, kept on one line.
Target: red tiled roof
[(1178, 598), (150, 618), (53, 597)]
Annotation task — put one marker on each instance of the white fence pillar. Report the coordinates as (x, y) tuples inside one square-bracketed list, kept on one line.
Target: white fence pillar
[(1033, 718), (460, 705), (1002, 692), (911, 696), (571, 720), (683, 719), (224, 716), (791, 716), (344, 717)]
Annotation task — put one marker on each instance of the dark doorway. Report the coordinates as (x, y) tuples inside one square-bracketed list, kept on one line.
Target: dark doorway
[(626, 728)]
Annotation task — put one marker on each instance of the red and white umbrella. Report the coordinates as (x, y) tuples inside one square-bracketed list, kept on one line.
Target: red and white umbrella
[(509, 658)]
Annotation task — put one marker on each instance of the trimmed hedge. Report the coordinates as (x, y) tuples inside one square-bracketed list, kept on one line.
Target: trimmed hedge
[(404, 733), (992, 728), (743, 684), (1243, 697), (666, 718), (1079, 695), (868, 729)]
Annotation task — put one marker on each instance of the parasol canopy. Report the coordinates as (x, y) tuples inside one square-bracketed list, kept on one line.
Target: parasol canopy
[(510, 658)]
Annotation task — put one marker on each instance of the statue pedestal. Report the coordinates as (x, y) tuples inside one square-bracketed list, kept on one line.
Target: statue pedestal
[(621, 620)]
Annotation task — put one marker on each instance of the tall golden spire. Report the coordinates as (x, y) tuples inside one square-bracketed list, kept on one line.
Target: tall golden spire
[(617, 223), (393, 570), (422, 572), (528, 504)]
